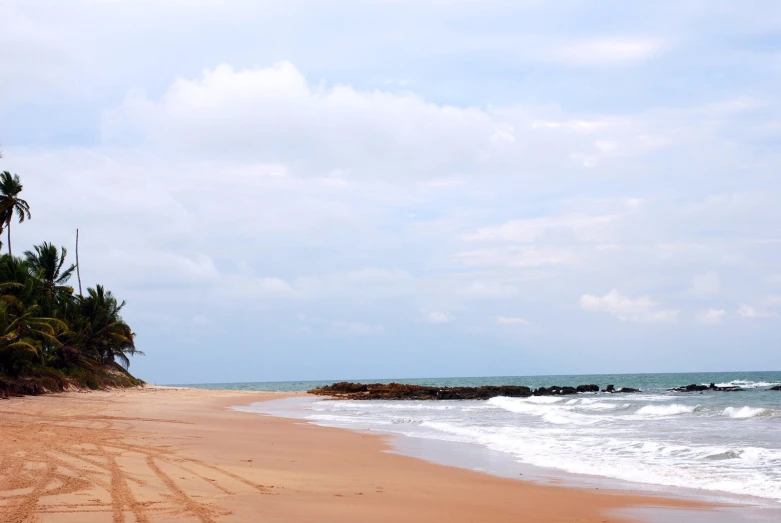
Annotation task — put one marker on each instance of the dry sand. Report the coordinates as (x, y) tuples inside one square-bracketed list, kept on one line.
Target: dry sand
[(179, 455)]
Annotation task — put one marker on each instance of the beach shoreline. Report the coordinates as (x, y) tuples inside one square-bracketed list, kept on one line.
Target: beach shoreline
[(178, 454)]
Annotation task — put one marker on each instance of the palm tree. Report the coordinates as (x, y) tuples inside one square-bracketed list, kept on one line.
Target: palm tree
[(46, 264), (23, 333), (103, 332), (10, 203)]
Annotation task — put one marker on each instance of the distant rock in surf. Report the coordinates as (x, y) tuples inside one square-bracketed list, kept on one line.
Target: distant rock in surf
[(700, 388), (612, 389), (399, 391), (777, 387)]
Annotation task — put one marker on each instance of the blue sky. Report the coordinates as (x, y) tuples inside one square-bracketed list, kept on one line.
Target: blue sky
[(345, 189)]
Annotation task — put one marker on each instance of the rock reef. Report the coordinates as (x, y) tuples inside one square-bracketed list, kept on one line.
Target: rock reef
[(400, 391), (700, 388)]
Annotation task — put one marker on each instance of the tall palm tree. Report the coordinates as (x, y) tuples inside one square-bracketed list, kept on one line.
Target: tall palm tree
[(46, 263), (10, 203)]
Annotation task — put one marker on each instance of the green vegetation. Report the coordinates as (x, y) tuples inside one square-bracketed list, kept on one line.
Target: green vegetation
[(50, 337)]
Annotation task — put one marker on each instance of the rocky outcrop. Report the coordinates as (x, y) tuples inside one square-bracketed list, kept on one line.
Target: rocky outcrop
[(399, 391), (777, 387), (612, 389), (700, 388)]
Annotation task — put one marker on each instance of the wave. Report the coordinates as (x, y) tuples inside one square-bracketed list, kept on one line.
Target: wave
[(746, 384), (539, 400), (552, 412), (520, 406), (741, 470), (666, 410), (746, 412), (649, 438)]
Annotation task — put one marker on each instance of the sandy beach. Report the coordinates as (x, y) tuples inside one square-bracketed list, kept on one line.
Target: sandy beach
[(180, 455)]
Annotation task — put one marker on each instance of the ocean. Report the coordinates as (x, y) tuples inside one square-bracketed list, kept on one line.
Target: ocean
[(718, 443)]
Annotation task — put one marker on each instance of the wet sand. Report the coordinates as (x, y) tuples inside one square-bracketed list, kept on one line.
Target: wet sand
[(180, 455)]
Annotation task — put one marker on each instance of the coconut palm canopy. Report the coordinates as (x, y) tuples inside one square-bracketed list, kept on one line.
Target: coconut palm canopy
[(10, 202), (47, 332)]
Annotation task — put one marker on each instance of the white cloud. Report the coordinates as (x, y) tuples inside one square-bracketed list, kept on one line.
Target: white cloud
[(609, 51), (711, 316), (706, 285), (515, 257), (338, 327), (589, 221), (276, 115), (352, 328), (533, 229), (488, 289), (509, 320), (747, 311), (641, 309), (253, 288), (437, 317)]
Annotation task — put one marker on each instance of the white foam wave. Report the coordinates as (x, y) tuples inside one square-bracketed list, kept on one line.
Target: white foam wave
[(602, 406), (551, 411), (540, 400), (648, 438), (637, 460), (519, 405), (746, 384), (746, 412), (666, 410)]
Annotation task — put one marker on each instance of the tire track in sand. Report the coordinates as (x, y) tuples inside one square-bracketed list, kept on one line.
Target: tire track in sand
[(199, 510), (24, 510), (121, 495)]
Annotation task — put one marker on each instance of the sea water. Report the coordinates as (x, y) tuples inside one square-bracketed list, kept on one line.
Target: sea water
[(716, 442)]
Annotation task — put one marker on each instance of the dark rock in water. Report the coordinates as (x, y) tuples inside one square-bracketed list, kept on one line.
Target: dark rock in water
[(612, 389), (777, 387), (699, 388), (377, 391), (399, 391), (691, 388), (555, 390)]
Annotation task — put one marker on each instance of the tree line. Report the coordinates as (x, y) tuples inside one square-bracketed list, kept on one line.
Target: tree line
[(50, 335)]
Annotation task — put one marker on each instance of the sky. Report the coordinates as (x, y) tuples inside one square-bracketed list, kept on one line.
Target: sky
[(289, 190)]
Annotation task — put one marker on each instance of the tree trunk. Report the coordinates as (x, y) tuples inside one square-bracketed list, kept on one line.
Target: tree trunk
[(78, 269), (10, 253)]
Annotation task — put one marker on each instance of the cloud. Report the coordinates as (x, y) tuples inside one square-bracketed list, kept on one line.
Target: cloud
[(437, 317), (273, 114), (355, 182), (706, 285), (253, 288), (488, 290), (609, 52), (509, 320), (531, 230), (627, 309), (712, 316), (514, 257), (746, 311)]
